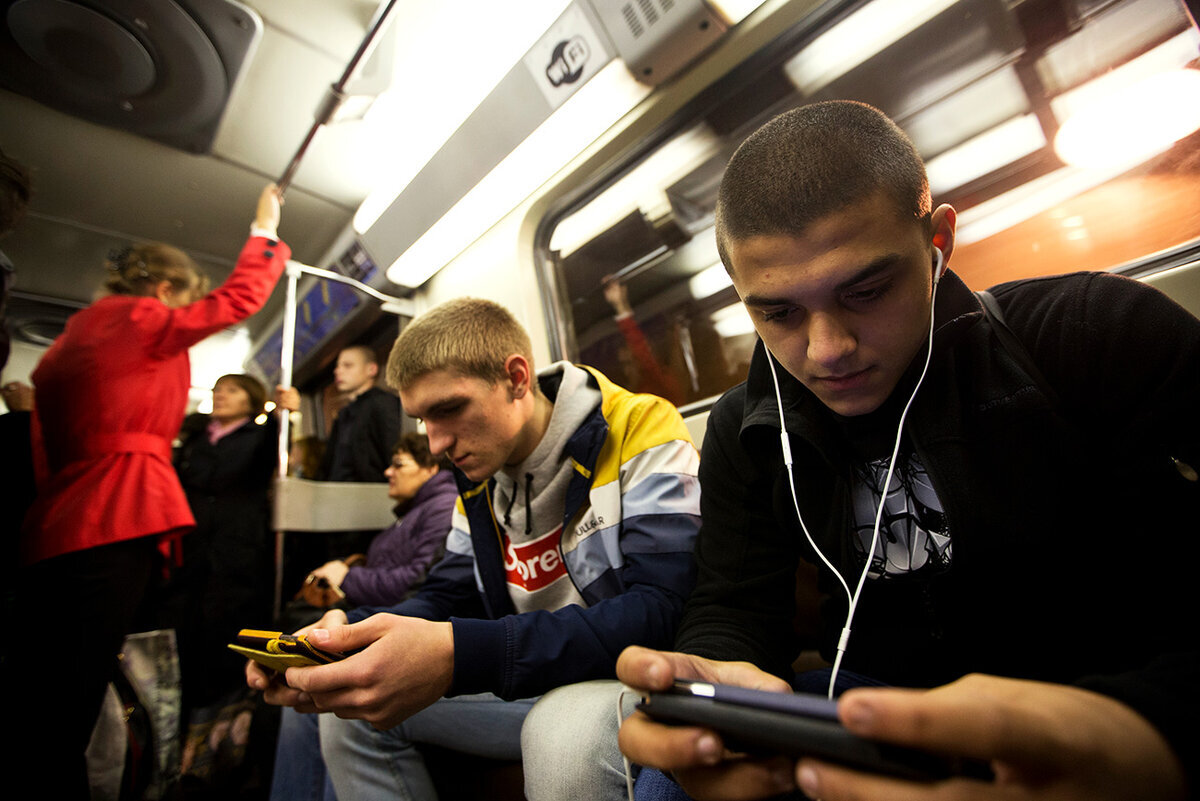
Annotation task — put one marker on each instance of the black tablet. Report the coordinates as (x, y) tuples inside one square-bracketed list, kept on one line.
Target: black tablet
[(795, 725)]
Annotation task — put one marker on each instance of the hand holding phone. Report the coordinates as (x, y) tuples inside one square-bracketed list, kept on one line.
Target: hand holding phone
[(278, 651)]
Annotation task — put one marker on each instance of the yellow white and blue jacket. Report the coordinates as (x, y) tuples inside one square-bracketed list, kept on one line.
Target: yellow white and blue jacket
[(630, 520)]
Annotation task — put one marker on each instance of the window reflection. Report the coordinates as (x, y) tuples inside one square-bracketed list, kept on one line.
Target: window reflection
[(981, 86)]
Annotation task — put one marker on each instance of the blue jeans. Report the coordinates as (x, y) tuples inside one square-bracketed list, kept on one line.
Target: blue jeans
[(299, 769), (567, 742), (365, 763)]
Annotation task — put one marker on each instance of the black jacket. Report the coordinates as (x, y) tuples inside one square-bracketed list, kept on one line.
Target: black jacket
[(363, 437), (1068, 517), (226, 581)]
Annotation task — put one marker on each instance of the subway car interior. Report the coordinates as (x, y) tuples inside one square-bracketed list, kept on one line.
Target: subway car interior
[(562, 157)]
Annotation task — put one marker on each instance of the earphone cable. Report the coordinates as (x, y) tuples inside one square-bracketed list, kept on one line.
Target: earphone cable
[(852, 598)]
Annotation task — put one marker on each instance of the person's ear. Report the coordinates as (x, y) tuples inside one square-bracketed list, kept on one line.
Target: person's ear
[(372, 369), (164, 292), (942, 223), (519, 375)]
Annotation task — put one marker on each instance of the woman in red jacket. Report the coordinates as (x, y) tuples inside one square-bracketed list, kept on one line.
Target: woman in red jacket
[(110, 395)]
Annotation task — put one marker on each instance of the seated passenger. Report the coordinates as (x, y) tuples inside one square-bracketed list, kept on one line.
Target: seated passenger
[(1043, 492), (572, 539), (394, 568), (395, 565)]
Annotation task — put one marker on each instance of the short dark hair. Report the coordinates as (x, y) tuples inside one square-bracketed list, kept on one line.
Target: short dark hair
[(417, 446), (16, 188), (368, 354), (812, 161)]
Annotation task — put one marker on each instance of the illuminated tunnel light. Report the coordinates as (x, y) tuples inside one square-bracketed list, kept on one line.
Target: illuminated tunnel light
[(861, 35), (985, 153), (709, 281), (732, 321), (1132, 123)]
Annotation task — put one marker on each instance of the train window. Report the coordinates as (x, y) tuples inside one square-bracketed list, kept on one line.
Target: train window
[(1033, 120)]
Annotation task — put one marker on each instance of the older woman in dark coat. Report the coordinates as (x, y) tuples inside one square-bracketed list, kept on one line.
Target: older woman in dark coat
[(226, 461), (399, 556)]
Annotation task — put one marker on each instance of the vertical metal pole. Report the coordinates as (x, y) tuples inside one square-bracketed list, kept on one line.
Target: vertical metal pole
[(286, 357)]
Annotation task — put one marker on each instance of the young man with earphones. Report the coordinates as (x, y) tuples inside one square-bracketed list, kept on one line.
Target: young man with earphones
[(996, 494)]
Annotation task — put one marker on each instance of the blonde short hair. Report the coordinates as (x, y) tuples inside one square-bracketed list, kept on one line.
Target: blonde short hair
[(469, 336)]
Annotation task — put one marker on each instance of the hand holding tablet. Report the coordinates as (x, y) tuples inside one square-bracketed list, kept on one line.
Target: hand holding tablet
[(794, 725)]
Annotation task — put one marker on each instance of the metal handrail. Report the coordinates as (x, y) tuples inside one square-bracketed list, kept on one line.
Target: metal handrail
[(335, 97), (294, 269)]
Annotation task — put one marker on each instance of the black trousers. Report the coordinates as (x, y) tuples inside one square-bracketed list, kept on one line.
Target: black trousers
[(73, 612)]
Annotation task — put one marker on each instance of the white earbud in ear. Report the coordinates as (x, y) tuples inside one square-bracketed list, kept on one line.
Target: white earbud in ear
[(939, 260)]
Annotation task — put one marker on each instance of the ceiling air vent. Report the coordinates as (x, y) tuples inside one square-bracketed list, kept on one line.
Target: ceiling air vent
[(657, 38)]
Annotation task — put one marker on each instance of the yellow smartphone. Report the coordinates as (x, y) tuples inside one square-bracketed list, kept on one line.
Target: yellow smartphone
[(279, 651)]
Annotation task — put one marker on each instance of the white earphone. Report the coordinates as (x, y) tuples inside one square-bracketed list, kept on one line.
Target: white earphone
[(852, 597)]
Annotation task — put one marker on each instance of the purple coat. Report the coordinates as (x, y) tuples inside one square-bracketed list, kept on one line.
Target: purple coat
[(400, 556)]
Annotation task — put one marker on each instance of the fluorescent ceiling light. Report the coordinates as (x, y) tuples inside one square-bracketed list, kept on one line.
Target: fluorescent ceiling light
[(732, 321), (735, 10), (709, 281), (439, 81), (641, 188), (377, 202), (985, 153), (1132, 123), (591, 111), (870, 30)]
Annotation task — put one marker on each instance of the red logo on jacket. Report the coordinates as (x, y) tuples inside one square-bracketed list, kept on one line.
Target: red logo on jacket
[(536, 564)]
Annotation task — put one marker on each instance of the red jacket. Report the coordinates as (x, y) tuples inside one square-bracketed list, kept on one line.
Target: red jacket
[(110, 396)]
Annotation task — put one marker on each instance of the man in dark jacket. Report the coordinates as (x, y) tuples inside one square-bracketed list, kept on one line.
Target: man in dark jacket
[(1010, 496), (360, 442)]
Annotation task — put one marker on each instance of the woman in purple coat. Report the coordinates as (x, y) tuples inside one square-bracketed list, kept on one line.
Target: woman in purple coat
[(399, 557)]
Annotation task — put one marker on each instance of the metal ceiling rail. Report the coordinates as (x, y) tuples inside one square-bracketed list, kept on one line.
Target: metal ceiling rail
[(336, 96)]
